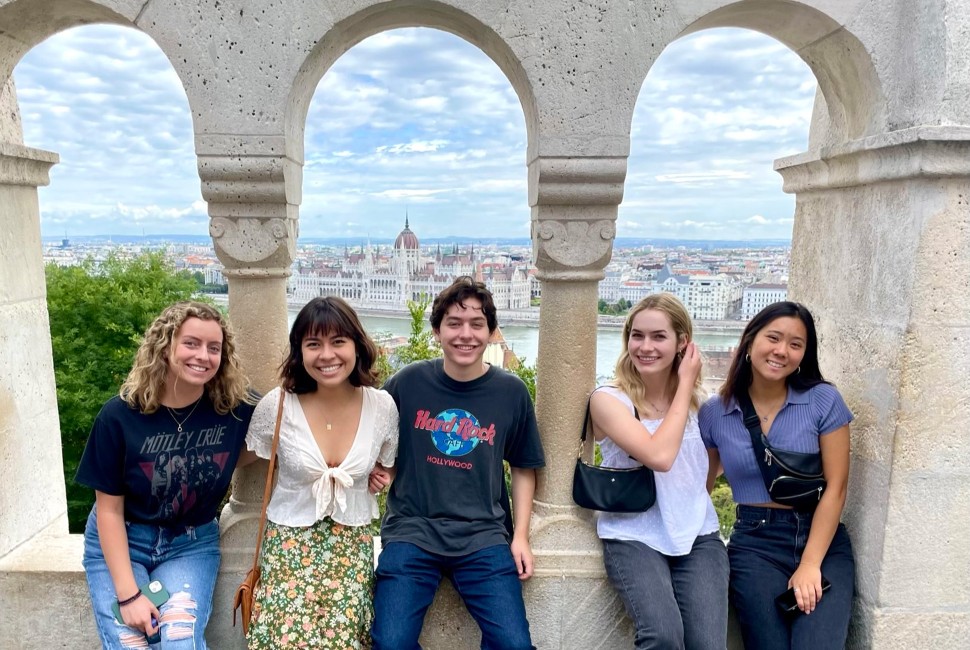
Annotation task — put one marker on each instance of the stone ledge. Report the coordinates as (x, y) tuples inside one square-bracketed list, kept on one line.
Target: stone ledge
[(918, 152)]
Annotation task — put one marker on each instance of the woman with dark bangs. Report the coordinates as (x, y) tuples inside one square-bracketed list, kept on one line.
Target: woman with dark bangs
[(317, 556)]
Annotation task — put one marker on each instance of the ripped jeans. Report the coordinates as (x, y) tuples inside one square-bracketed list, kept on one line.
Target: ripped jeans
[(185, 560)]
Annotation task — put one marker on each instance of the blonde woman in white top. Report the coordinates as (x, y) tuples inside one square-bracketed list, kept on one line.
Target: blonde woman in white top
[(668, 564), (317, 556)]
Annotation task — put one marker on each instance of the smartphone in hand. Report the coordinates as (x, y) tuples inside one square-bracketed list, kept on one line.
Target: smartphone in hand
[(789, 605), (157, 595)]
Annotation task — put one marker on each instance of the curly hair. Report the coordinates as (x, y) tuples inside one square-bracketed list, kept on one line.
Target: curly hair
[(463, 288), (627, 378), (145, 383), (326, 316)]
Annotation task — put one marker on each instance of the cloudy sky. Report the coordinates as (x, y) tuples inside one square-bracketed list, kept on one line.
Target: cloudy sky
[(418, 120)]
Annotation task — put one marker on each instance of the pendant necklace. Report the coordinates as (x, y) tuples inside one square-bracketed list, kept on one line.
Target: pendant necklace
[(178, 424), (772, 412), (659, 411)]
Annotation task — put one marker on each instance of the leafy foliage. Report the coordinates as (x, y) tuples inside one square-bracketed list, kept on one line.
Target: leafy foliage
[(528, 375), (723, 500), (98, 314), (421, 344), (621, 306)]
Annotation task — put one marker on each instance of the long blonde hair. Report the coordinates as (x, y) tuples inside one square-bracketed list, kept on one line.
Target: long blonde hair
[(626, 377), (146, 381)]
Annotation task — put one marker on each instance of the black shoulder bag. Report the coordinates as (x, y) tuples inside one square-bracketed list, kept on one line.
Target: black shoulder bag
[(792, 478), (611, 489)]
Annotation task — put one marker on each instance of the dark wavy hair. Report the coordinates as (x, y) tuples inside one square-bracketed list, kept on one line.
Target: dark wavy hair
[(463, 288), (739, 375), (327, 316)]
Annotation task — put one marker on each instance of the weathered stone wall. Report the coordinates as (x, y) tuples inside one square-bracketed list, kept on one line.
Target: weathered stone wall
[(881, 208)]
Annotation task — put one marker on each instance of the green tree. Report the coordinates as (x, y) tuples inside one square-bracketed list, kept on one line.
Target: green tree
[(421, 344), (528, 375), (98, 314), (723, 500)]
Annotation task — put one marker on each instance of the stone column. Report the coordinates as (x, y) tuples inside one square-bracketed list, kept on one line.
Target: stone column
[(33, 498), (253, 201), (881, 254), (574, 206)]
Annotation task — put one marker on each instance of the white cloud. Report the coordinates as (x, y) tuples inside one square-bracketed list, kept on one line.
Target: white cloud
[(419, 118)]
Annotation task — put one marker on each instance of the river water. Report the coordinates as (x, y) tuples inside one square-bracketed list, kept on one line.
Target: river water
[(524, 340)]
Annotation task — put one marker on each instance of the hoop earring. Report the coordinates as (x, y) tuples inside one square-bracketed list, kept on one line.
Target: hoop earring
[(798, 370), (747, 358)]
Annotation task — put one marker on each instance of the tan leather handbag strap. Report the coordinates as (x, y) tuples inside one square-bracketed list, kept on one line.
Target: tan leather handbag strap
[(269, 478)]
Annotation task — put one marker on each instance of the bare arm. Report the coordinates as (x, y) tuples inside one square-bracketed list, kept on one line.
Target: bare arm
[(807, 578), (658, 452), (114, 546), (714, 468), (380, 477), (246, 457), (523, 489)]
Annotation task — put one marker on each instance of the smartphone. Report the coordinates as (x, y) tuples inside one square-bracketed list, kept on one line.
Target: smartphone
[(788, 605), (157, 595)]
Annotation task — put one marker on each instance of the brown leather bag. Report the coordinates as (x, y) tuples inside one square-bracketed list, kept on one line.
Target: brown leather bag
[(247, 588)]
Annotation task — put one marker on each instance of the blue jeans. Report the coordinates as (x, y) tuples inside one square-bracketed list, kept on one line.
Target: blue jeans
[(185, 560), (675, 602), (765, 549), (487, 581)]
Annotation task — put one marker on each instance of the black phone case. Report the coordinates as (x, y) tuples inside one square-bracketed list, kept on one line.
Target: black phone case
[(789, 606)]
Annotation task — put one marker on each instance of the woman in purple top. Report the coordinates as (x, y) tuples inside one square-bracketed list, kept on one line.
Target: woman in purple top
[(774, 548)]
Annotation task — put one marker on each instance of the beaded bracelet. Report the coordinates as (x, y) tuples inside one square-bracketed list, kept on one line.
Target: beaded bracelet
[(128, 601)]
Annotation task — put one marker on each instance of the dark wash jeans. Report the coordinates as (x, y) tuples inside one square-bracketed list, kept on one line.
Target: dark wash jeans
[(765, 549), (676, 602), (487, 581)]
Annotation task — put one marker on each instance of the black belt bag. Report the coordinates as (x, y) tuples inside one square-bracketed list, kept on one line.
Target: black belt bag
[(792, 478)]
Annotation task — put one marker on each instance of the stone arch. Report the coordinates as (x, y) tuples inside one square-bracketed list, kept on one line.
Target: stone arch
[(382, 17), (847, 78), (28, 23)]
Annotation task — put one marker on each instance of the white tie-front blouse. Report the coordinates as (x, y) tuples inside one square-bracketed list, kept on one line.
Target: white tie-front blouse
[(307, 488)]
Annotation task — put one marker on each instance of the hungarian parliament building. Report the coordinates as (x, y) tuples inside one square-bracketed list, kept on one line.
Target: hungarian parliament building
[(370, 280)]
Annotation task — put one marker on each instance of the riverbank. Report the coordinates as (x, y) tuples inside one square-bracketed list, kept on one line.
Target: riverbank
[(527, 318)]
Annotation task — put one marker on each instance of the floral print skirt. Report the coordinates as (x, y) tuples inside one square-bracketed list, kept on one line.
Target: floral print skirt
[(316, 588)]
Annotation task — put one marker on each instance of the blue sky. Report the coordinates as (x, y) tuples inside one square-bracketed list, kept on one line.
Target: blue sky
[(418, 120)]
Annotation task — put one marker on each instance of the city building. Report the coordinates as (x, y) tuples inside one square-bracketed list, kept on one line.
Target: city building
[(758, 296), (367, 279)]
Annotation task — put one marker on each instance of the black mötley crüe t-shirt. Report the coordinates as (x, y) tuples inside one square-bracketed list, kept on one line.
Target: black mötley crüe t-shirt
[(448, 494), (167, 478)]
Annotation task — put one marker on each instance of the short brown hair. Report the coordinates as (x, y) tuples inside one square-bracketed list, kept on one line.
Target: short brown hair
[(463, 288), (327, 316)]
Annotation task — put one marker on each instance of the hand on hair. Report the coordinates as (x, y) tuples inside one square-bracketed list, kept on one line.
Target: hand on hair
[(690, 364)]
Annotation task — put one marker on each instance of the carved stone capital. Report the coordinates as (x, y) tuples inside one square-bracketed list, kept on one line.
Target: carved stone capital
[(253, 199), (573, 250), (253, 246), (233, 180), (574, 203)]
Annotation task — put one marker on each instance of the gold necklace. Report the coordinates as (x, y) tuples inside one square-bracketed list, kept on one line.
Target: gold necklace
[(654, 406), (178, 424)]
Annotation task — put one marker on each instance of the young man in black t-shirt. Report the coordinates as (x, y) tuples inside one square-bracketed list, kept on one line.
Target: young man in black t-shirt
[(447, 506)]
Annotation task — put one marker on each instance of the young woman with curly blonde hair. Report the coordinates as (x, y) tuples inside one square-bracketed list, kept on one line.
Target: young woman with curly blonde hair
[(160, 457)]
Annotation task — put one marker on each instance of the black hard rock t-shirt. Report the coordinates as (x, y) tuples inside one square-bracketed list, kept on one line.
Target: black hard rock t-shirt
[(168, 478), (449, 495)]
